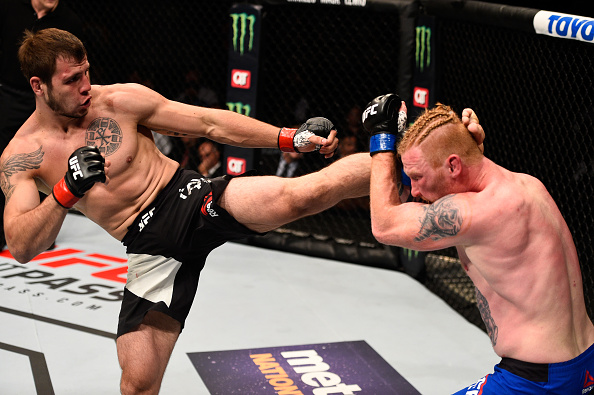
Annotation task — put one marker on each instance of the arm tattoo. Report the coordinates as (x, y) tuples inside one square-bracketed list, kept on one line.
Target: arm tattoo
[(485, 311), (16, 163), (441, 219)]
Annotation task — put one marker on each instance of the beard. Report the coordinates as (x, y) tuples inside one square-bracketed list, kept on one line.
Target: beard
[(59, 108)]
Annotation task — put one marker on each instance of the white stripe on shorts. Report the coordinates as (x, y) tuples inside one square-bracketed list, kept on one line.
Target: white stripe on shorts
[(151, 277)]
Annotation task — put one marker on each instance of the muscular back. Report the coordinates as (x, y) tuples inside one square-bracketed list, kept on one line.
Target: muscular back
[(136, 170), (526, 271)]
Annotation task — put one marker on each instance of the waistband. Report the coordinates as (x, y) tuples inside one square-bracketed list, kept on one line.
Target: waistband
[(539, 372), (132, 229)]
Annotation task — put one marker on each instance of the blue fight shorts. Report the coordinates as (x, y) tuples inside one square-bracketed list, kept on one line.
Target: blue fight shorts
[(513, 377)]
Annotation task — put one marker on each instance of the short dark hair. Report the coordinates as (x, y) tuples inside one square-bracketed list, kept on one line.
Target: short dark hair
[(38, 52)]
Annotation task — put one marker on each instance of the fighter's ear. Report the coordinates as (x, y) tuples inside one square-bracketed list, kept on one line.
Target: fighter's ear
[(454, 164), (36, 85)]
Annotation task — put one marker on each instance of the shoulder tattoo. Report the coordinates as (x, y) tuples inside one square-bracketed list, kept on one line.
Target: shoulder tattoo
[(16, 163), (105, 134), (485, 311), (441, 219)]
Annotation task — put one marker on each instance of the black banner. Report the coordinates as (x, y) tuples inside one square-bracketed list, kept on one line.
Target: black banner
[(242, 77), (424, 71)]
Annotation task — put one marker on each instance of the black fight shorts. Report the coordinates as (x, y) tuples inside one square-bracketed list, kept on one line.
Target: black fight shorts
[(167, 246)]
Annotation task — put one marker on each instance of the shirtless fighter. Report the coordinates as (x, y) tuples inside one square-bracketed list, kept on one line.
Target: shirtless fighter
[(168, 219), (511, 239)]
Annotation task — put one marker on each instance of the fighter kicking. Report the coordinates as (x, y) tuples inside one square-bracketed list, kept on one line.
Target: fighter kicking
[(91, 147)]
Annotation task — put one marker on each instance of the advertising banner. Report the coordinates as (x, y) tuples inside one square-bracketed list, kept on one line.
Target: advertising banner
[(424, 71), (560, 25), (330, 368), (242, 77)]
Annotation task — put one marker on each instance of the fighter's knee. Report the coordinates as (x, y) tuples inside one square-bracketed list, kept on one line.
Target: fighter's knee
[(305, 194), (135, 384), (301, 194)]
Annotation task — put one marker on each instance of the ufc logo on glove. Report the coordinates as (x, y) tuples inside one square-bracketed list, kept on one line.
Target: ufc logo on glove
[(75, 167), (369, 111)]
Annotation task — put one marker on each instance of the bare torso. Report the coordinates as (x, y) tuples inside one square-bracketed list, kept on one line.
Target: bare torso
[(526, 270), (136, 173)]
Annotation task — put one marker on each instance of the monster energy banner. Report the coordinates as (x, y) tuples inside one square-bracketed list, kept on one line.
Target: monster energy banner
[(424, 72), (242, 76)]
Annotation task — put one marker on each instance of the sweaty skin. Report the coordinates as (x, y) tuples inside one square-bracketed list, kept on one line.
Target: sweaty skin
[(136, 170), (117, 119), (512, 241)]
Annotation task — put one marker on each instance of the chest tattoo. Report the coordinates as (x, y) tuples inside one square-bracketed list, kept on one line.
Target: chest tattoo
[(105, 134), (17, 163)]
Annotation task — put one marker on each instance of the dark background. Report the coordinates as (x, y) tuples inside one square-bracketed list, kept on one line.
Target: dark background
[(534, 95)]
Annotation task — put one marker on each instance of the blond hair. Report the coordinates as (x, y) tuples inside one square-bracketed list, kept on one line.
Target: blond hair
[(444, 133)]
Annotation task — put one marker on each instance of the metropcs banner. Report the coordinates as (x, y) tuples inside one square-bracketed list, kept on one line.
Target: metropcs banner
[(319, 369)]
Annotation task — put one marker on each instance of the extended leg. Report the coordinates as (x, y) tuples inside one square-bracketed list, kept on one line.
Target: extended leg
[(265, 203), (144, 353)]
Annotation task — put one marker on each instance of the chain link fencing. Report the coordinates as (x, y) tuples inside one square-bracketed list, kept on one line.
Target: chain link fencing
[(534, 96)]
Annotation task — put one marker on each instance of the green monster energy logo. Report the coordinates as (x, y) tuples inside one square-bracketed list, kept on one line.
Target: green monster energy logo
[(423, 47), (239, 107), (410, 254), (242, 24)]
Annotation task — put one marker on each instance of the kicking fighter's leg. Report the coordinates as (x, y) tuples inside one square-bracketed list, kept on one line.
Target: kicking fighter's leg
[(144, 353), (265, 203)]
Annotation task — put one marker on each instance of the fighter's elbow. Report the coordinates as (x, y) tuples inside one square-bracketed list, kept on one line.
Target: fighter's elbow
[(381, 234), (20, 252), (390, 233), (21, 257)]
